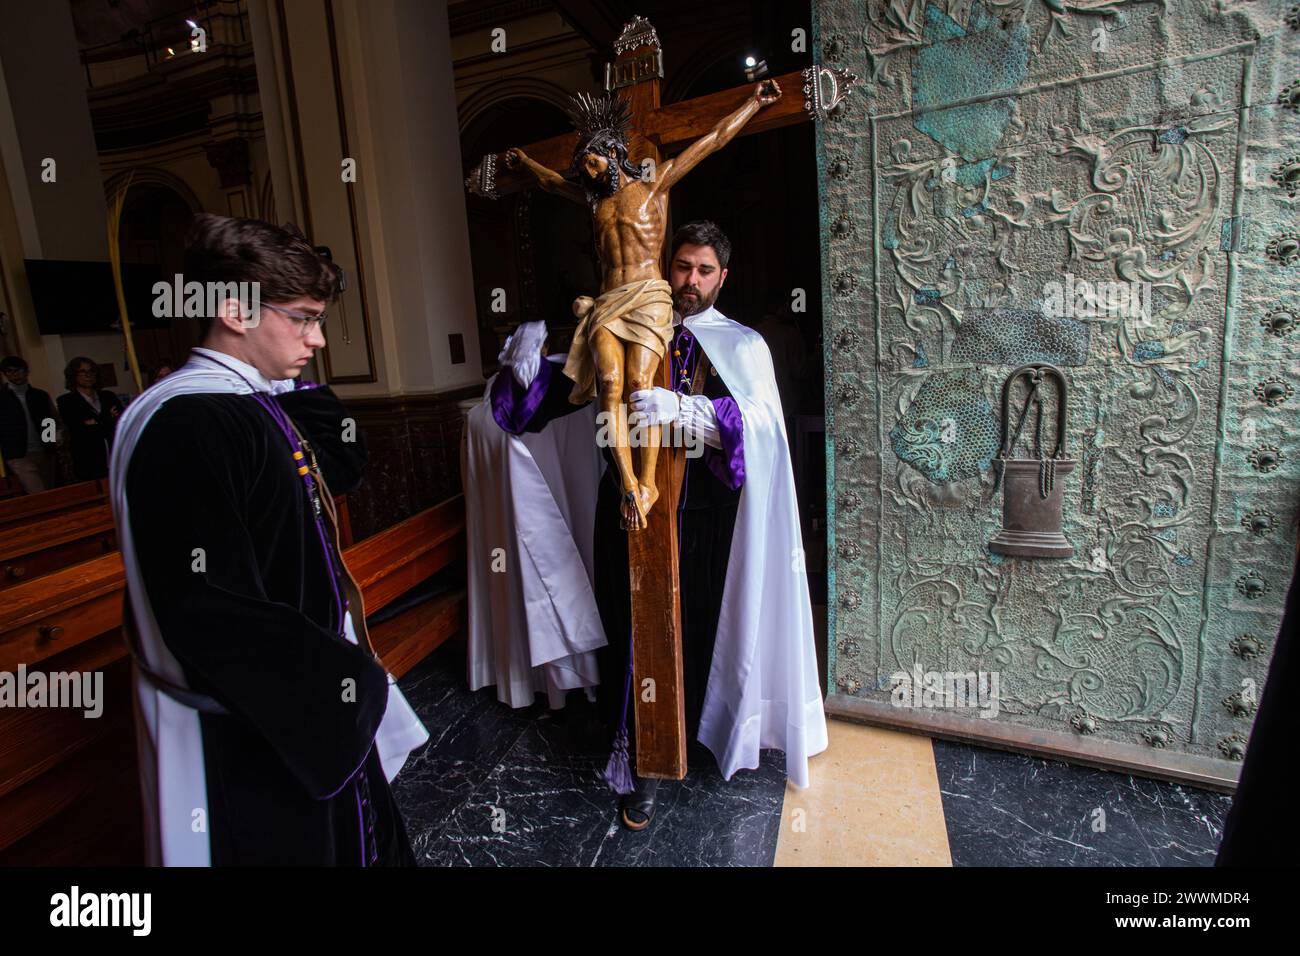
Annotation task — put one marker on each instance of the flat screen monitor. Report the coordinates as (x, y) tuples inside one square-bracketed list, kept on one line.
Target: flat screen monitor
[(73, 296)]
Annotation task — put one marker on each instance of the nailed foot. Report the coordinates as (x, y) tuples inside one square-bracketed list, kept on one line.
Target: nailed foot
[(632, 513), (649, 495)]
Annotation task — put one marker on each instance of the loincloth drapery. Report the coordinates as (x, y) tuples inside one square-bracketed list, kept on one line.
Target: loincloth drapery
[(640, 312)]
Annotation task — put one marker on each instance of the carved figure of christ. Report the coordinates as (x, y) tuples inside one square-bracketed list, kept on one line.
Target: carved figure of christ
[(625, 332)]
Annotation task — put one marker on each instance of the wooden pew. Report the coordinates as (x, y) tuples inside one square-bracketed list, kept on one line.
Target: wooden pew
[(27, 508), (69, 790), (9, 487), (47, 544), (54, 529), (57, 767), (397, 559)]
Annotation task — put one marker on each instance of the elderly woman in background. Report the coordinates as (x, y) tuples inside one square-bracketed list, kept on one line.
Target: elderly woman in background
[(90, 415)]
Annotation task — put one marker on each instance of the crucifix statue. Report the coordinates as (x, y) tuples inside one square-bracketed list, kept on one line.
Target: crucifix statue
[(624, 334), (620, 343)]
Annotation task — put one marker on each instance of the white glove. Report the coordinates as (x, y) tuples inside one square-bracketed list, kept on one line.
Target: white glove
[(523, 352), (653, 406)]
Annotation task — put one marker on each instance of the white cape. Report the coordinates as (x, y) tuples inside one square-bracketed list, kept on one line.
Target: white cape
[(169, 739), (763, 690), (530, 512)]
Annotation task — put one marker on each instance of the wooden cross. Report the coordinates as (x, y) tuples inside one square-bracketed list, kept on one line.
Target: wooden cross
[(635, 73)]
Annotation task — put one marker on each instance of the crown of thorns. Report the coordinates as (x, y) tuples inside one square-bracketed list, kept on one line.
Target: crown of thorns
[(594, 115)]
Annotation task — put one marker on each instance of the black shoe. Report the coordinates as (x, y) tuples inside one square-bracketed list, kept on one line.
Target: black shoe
[(639, 806)]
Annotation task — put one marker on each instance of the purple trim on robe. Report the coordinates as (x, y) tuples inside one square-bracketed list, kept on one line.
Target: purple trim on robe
[(361, 819), (353, 774), (728, 463), (512, 406)]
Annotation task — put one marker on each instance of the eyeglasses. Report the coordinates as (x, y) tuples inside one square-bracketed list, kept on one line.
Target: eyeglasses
[(306, 322)]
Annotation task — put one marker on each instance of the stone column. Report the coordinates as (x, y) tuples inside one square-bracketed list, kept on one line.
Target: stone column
[(374, 85)]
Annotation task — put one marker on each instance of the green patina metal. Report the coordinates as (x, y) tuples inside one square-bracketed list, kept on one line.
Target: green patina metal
[(955, 65), (998, 146)]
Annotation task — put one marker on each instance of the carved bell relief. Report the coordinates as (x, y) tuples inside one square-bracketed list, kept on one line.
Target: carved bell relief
[(1033, 488)]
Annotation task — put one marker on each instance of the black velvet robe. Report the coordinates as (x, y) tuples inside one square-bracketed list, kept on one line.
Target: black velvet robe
[(293, 776)]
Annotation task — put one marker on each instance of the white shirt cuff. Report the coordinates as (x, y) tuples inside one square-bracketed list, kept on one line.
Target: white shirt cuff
[(699, 418)]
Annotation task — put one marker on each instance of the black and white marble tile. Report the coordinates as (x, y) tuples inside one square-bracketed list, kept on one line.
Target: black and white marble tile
[(499, 787), (1005, 809), (502, 787), (541, 805), (704, 820), (468, 734)]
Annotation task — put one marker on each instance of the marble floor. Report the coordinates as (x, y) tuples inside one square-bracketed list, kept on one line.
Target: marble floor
[(1004, 809), (502, 787)]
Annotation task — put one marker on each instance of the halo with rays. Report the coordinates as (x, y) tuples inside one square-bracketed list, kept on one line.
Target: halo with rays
[(598, 114)]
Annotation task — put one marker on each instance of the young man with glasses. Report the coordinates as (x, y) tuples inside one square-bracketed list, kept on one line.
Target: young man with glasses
[(268, 729)]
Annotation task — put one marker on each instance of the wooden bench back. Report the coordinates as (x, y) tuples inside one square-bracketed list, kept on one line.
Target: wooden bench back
[(25, 508), (60, 540)]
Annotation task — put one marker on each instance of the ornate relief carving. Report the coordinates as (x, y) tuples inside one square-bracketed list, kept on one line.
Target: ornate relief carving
[(1280, 322), (1284, 249), (1252, 585), (1259, 522), (1287, 175), (1233, 747), (1290, 96), (1157, 737), (1112, 170), (1246, 646), (482, 179), (1266, 458), (1273, 391), (1084, 723), (1239, 704), (637, 32), (825, 89)]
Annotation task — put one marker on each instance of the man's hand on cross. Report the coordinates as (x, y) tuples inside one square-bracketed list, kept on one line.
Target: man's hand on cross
[(653, 406)]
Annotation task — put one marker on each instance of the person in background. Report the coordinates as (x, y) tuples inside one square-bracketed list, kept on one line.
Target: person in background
[(24, 410), (159, 372), (90, 414)]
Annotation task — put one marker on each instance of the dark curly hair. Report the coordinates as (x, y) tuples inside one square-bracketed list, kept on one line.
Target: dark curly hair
[(70, 372), (614, 148)]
